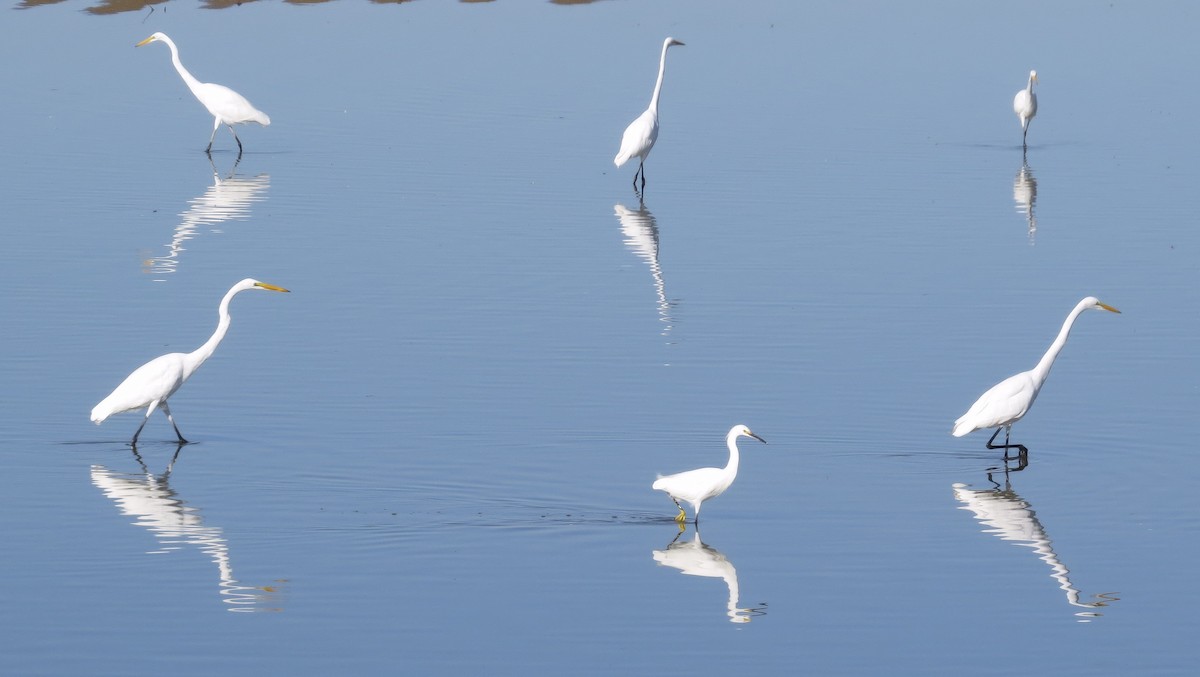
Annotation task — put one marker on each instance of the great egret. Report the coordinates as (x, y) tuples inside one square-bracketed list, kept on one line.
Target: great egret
[(697, 486), (1025, 106), (152, 383), (640, 135), (1003, 513), (1006, 402), (225, 105)]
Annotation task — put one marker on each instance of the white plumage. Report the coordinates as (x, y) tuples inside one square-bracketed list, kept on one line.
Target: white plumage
[(150, 385), (1009, 400), (697, 486), (225, 105), (640, 135), (1025, 106)]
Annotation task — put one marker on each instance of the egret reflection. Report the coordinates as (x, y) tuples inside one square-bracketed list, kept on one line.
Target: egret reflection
[(696, 558), (176, 525), (228, 199), (1025, 197), (1005, 514), (641, 236)]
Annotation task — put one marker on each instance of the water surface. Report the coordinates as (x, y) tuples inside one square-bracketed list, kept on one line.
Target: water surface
[(435, 454)]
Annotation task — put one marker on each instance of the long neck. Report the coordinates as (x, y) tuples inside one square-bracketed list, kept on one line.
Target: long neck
[(662, 67), (199, 355), (731, 467), (191, 81), (1029, 87), (1042, 370)]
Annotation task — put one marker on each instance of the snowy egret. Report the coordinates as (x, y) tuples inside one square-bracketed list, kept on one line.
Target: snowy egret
[(152, 383), (225, 105), (1006, 402), (1025, 106), (697, 558), (640, 135), (697, 486)]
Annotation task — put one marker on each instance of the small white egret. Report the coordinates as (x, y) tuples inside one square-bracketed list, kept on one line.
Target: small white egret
[(1025, 106), (697, 486), (640, 135), (225, 105), (1009, 400), (152, 383)]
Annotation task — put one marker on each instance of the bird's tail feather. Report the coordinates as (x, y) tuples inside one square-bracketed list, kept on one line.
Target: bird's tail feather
[(961, 427)]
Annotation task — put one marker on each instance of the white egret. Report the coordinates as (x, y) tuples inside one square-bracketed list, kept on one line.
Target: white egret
[(1009, 400), (697, 486), (151, 384), (225, 105), (1025, 106), (640, 135)]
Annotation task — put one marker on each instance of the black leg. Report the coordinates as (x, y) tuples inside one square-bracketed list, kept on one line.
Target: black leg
[(1021, 449), (642, 168), (235, 138), (167, 410)]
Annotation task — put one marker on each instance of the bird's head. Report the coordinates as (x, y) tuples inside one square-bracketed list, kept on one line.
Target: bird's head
[(1093, 303), (153, 38), (1033, 76), (250, 283), (740, 430), (673, 41)]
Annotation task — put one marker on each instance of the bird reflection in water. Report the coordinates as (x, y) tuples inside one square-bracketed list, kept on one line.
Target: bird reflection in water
[(229, 198), (1005, 514), (641, 236), (695, 558), (1025, 197), (175, 524)]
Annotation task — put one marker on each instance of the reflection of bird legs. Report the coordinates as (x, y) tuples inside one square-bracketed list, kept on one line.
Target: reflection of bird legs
[(216, 173), (170, 466), (1022, 449)]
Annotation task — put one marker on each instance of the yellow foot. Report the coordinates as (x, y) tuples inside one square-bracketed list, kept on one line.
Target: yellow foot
[(681, 517)]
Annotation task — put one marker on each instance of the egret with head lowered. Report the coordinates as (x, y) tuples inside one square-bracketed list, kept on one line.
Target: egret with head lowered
[(151, 384), (1025, 106), (640, 135), (697, 486), (225, 105), (1009, 400)]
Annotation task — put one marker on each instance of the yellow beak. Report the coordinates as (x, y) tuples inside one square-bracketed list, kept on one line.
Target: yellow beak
[(1109, 308), (269, 287), (145, 42)]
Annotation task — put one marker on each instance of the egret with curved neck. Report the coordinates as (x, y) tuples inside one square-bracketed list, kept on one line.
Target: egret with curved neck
[(1009, 400), (640, 135), (1025, 106), (697, 486), (225, 105), (151, 384)]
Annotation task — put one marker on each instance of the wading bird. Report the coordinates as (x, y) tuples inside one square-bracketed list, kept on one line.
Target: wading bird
[(1009, 400), (1025, 106), (640, 135), (697, 486), (225, 105), (151, 384)]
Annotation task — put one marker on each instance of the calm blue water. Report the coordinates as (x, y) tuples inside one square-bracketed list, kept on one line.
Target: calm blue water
[(435, 454)]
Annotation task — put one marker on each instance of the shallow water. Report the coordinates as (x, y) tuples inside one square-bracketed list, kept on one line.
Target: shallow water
[(435, 453)]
